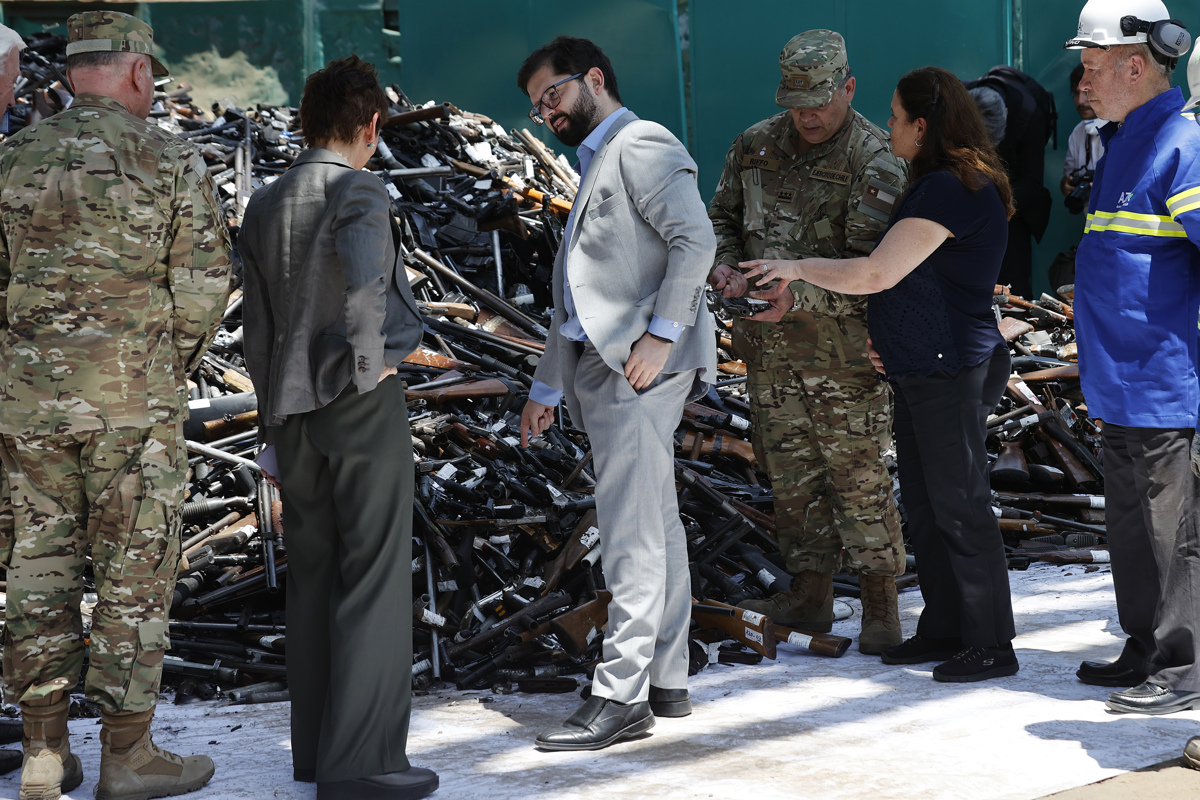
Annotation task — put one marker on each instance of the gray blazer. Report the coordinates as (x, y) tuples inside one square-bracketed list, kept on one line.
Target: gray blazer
[(327, 300), (642, 245)]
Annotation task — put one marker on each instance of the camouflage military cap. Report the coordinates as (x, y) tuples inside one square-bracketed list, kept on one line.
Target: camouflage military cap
[(813, 65), (112, 32)]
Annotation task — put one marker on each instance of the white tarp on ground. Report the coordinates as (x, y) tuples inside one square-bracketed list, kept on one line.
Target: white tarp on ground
[(802, 726)]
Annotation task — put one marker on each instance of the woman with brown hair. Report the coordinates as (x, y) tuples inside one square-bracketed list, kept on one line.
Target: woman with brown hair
[(934, 336)]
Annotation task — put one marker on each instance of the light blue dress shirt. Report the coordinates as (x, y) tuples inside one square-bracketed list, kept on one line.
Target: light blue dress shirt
[(571, 328)]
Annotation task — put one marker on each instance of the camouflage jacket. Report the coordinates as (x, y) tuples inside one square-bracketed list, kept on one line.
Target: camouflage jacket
[(114, 272), (832, 202)]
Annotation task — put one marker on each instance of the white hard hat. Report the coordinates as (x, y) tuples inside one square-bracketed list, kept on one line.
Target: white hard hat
[(1193, 79), (1100, 22)]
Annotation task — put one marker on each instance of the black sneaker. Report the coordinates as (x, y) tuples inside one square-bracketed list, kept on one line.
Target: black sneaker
[(918, 649), (978, 664)]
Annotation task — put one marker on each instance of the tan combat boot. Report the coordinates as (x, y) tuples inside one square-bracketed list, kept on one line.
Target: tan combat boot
[(49, 767), (132, 767), (880, 615), (1191, 753), (808, 605)]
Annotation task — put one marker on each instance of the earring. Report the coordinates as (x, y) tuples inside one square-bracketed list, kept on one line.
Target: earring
[(919, 143)]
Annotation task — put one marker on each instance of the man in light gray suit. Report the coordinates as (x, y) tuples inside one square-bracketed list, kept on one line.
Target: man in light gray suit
[(630, 343)]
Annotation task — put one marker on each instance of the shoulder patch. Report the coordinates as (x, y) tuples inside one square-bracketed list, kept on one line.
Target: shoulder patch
[(878, 200)]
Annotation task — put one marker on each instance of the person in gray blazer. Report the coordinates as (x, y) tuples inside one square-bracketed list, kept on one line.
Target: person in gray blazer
[(630, 343), (329, 315)]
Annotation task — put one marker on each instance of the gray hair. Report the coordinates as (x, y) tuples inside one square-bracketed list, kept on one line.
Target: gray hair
[(991, 108), (1155, 67), (10, 40)]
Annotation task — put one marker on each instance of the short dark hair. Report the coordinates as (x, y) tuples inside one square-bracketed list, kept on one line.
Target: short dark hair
[(567, 55), (339, 100), (1076, 76), (99, 59)]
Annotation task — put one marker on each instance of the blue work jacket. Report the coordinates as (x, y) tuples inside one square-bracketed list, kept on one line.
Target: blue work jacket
[(1137, 281)]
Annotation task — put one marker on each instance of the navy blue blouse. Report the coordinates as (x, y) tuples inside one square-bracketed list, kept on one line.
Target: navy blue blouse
[(939, 317)]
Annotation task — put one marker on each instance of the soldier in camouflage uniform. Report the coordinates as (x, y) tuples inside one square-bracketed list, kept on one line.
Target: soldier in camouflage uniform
[(818, 180), (114, 272)]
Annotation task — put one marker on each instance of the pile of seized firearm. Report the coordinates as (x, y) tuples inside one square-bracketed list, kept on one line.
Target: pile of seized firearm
[(508, 586)]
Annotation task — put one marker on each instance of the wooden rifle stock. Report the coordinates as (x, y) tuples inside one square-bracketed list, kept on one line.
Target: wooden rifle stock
[(823, 644), (1053, 374), (425, 357), (583, 539), (755, 631), (215, 429), (473, 390), (1011, 466), (1077, 474), (719, 444), (578, 628)]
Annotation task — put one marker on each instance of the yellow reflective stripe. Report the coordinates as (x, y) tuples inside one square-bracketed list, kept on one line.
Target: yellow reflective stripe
[(1184, 209), (1133, 222), (1184, 195), (1133, 215)]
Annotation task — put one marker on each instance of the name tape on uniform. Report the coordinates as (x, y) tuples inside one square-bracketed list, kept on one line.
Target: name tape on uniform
[(831, 175)]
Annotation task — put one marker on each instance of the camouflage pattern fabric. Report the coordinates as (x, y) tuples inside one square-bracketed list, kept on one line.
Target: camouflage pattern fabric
[(119, 493), (114, 272), (112, 32), (809, 373), (812, 67)]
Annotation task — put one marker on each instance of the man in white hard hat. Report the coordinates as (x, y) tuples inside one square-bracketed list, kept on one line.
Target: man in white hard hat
[(1137, 293)]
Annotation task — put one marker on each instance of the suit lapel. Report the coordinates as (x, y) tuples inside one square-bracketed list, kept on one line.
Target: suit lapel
[(589, 180)]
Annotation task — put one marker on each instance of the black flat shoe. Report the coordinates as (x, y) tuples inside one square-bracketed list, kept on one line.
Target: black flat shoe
[(411, 784), (978, 664), (919, 649), (663, 702), (599, 723), (670, 702), (1108, 673), (1149, 698)]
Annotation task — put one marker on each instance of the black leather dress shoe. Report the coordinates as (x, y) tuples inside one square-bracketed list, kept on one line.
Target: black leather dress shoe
[(1149, 698), (663, 702), (670, 702), (598, 723), (411, 784), (1108, 673)]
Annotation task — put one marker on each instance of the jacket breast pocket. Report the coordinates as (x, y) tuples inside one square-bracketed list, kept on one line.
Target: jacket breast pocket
[(605, 206)]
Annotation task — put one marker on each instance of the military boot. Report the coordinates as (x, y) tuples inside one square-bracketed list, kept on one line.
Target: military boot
[(49, 767), (808, 605), (132, 767), (880, 615)]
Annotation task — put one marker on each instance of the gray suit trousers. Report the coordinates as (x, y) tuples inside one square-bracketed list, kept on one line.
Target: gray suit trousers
[(1152, 508), (642, 544), (347, 476)]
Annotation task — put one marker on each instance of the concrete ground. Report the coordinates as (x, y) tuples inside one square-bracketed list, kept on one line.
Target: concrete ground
[(802, 726)]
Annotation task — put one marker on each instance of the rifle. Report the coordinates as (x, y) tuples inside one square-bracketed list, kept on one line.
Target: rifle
[(755, 631), (537, 608), (717, 445), (1010, 466), (228, 425), (578, 628), (1074, 500), (474, 390), (267, 532), (1052, 434), (583, 539)]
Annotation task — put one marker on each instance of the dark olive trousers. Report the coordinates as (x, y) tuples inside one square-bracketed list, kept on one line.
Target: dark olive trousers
[(1152, 511), (940, 428), (347, 476)]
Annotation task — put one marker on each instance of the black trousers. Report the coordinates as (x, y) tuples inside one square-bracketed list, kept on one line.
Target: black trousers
[(940, 425), (1152, 512), (347, 476)]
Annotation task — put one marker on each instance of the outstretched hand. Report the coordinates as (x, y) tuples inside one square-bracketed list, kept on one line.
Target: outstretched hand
[(771, 270), (729, 282)]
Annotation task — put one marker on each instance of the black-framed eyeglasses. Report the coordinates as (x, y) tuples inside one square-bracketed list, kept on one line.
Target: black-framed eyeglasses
[(550, 99)]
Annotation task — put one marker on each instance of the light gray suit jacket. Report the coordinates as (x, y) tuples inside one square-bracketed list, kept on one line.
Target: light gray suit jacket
[(327, 299), (642, 245)]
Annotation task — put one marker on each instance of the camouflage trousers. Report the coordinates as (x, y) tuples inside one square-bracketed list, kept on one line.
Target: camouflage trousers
[(118, 493), (819, 435)]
